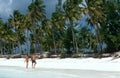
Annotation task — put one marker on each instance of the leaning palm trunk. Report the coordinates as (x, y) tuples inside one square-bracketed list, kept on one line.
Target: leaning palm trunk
[(1, 48), (75, 47), (54, 44), (27, 38), (34, 35), (19, 46), (13, 44), (98, 41)]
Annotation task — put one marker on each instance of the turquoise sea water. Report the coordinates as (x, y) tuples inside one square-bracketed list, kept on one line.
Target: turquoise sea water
[(16, 72)]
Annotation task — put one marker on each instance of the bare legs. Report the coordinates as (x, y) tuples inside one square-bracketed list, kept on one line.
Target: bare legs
[(33, 65), (27, 65)]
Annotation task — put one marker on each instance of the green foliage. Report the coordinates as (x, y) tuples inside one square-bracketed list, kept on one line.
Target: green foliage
[(36, 11), (111, 28), (62, 33), (68, 41), (32, 51)]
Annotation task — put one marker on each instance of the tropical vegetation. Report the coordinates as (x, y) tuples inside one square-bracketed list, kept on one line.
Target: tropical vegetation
[(76, 26)]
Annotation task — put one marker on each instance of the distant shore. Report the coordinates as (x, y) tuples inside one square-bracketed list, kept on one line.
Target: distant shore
[(104, 64)]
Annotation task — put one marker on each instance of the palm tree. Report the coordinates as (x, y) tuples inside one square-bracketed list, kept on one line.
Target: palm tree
[(36, 14), (93, 9), (72, 14), (36, 11), (57, 24), (1, 36), (86, 39), (7, 36), (18, 26), (46, 34)]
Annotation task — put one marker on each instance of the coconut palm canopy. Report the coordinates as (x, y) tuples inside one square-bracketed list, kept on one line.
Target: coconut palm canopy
[(63, 27)]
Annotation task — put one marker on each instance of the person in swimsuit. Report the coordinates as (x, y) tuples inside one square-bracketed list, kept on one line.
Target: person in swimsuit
[(33, 59), (27, 60)]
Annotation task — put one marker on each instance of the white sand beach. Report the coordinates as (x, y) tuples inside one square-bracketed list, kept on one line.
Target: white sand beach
[(104, 64)]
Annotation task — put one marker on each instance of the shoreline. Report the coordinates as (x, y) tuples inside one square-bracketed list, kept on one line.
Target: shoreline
[(65, 71), (104, 64), (15, 72)]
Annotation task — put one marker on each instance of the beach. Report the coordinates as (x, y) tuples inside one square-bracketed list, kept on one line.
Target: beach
[(103, 64), (61, 68)]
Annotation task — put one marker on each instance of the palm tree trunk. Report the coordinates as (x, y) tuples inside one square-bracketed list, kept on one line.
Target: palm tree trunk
[(90, 43), (0, 48), (98, 41), (13, 47), (34, 34), (19, 46), (54, 44), (3, 48), (75, 47), (27, 41)]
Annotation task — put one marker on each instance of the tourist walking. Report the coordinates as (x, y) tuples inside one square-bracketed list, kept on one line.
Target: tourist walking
[(27, 60), (33, 59)]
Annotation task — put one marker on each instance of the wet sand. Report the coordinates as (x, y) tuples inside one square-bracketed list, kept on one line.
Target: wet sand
[(20, 72)]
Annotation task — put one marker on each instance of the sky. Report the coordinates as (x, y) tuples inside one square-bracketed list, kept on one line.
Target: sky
[(8, 6)]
